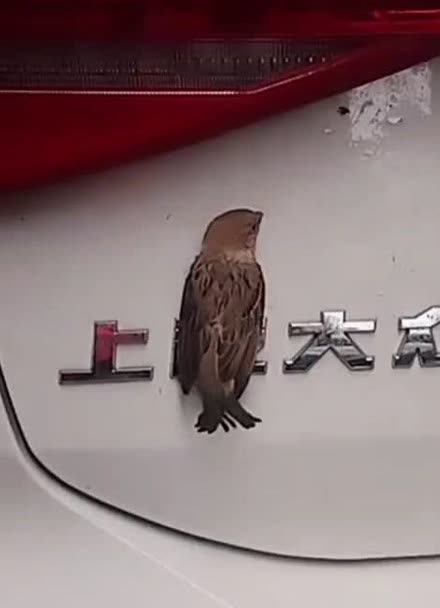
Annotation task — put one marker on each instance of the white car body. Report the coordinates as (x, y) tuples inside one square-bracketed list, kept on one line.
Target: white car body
[(344, 465)]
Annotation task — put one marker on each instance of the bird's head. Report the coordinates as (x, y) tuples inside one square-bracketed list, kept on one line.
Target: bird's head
[(234, 230)]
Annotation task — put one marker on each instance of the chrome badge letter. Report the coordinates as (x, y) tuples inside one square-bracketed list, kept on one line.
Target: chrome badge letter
[(330, 333), (107, 337), (418, 339)]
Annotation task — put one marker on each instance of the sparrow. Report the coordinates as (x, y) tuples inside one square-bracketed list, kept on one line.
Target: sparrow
[(221, 320)]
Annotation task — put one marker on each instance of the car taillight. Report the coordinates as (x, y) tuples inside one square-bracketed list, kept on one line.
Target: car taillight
[(91, 83)]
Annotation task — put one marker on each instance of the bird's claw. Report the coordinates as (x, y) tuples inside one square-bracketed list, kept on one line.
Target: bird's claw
[(243, 417), (206, 423)]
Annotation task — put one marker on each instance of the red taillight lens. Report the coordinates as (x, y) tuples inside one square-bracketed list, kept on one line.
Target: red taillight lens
[(135, 77)]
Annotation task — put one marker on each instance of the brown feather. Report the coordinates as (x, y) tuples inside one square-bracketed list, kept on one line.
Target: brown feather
[(220, 324), (189, 348)]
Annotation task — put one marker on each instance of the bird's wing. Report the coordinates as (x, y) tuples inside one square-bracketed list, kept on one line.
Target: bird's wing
[(241, 328), (222, 308), (254, 333), (190, 347)]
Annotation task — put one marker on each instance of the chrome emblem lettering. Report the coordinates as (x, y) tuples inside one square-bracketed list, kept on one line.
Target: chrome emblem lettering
[(418, 340), (330, 333), (107, 337)]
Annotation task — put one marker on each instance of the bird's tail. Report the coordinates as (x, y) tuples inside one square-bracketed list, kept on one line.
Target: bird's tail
[(220, 406)]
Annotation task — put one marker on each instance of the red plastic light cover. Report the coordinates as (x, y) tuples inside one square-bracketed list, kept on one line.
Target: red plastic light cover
[(92, 83)]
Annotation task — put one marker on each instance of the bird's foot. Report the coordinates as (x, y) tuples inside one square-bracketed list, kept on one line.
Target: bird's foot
[(209, 421), (242, 416)]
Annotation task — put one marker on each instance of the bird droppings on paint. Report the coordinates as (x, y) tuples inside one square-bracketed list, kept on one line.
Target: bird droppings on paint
[(394, 120), (377, 104), (328, 131), (369, 152)]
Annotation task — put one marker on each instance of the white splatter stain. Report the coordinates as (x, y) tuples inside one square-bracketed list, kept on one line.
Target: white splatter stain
[(376, 104), (394, 120)]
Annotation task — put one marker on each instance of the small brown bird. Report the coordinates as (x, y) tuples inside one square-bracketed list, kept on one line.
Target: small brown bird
[(221, 320)]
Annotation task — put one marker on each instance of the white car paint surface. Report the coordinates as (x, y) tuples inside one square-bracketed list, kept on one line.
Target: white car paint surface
[(344, 464)]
